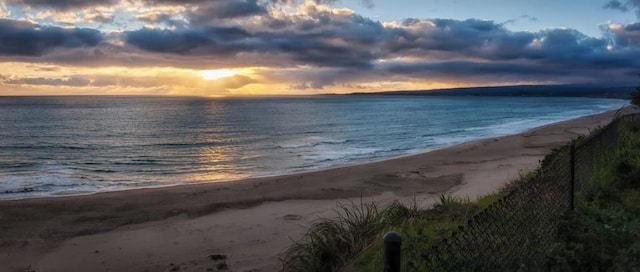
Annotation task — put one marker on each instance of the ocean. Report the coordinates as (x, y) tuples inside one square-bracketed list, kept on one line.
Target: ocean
[(52, 146)]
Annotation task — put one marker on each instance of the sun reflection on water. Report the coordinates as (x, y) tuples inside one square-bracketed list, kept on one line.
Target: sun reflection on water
[(220, 163)]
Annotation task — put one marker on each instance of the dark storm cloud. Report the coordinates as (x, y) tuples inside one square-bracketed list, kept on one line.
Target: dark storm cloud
[(565, 45), (444, 38), (451, 39), (201, 13), (229, 42), (224, 10), (495, 52), (324, 39), (209, 40), (310, 49), (28, 39), (465, 37)]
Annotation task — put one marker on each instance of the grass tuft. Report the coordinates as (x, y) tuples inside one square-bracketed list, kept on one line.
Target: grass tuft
[(331, 242)]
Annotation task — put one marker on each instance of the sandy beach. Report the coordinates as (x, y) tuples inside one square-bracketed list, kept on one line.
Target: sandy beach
[(250, 221)]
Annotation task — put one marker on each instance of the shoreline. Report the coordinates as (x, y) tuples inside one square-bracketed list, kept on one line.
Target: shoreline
[(286, 173), (252, 220)]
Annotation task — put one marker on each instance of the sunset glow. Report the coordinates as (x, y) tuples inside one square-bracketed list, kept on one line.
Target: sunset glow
[(217, 74), (301, 47)]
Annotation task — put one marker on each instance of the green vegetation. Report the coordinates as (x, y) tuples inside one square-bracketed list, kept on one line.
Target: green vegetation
[(422, 230), (604, 233), (331, 244), (353, 239)]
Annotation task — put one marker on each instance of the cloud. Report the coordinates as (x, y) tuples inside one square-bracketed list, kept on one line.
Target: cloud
[(47, 68), (349, 45), (61, 4), (209, 40), (200, 12), (521, 17), (616, 5), (159, 81), (197, 12), (316, 78), (28, 39), (328, 39), (624, 6), (73, 17), (167, 19), (100, 17), (70, 81), (204, 12), (367, 3), (625, 36), (310, 45), (4, 12)]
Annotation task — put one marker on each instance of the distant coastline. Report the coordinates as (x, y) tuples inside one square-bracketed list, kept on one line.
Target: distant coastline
[(567, 90)]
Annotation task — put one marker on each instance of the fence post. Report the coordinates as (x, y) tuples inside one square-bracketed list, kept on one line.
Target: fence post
[(392, 250), (572, 152)]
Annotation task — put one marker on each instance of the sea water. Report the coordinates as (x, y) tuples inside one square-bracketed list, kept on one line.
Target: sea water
[(53, 146)]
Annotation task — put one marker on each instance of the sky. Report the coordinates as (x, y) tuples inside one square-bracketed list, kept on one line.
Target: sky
[(298, 47)]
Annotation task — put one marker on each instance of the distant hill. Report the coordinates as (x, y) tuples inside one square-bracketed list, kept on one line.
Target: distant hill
[(525, 90)]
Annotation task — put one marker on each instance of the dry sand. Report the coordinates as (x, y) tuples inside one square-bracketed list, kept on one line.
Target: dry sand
[(253, 220)]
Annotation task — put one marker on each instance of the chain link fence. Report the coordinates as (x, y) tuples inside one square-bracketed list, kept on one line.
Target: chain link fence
[(517, 231)]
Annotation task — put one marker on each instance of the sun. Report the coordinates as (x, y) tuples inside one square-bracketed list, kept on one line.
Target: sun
[(217, 74)]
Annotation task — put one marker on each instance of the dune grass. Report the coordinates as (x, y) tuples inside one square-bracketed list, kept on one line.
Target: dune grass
[(352, 239), (609, 214)]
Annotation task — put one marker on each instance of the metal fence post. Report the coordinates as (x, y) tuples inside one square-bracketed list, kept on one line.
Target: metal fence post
[(572, 152), (392, 250)]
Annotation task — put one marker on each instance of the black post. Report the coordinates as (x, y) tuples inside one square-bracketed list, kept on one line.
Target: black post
[(392, 250), (572, 159)]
